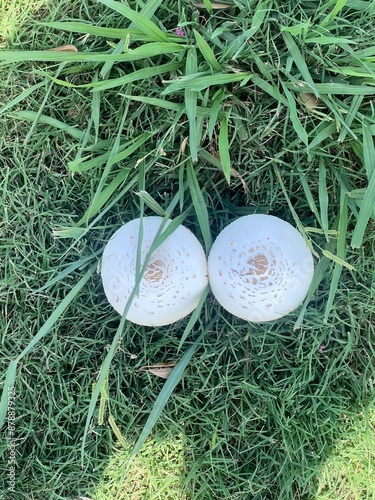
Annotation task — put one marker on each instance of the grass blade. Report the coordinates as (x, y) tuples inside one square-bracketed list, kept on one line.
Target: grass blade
[(53, 122), (224, 148), (199, 206), (85, 28), (194, 317), (319, 274), (8, 385), (161, 235), (164, 395), (299, 61), (351, 114), (143, 52), (207, 52), (214, 111), (203, 82), (124, 152), (310, 198), (23, 95), (323, 197), (340, 4), (368, 150), (79, 264), (297, 125), (191, 105), (148, 10), (341, 248), (364, 215), (337, 89), (140, 74), (143, 23), (148, 200), (271, 90)]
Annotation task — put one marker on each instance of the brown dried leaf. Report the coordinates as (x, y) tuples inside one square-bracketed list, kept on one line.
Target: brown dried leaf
[(64, 48), (162, 370), (310, 101)]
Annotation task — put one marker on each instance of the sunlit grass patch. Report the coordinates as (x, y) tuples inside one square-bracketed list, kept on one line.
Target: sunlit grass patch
[(14, 13), (349, 472), (157, 473)]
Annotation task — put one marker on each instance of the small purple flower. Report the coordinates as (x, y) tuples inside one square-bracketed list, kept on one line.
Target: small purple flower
[(321, 348), (179, 31)]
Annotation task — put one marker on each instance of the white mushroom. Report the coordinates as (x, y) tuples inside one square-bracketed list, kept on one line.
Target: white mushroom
[(174, 279), (260, 268)]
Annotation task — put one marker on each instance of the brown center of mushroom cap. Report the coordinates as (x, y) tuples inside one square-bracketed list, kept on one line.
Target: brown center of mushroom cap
[(154, 271), (258, 264)]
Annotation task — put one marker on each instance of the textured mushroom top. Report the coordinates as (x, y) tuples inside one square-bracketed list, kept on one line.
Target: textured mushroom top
[(260, 268), (175, 276)]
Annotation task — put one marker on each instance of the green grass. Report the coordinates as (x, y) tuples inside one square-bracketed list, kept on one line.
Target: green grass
[(203, 128)]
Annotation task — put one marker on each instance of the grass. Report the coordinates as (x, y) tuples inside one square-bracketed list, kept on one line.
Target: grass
[(263, 107)]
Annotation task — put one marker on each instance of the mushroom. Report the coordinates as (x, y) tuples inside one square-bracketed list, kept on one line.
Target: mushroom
[(174, 278), (260, 268)]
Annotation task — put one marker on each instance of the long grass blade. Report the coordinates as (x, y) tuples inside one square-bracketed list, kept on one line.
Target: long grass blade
[(350, 116), (194, 317), (143, 23), (124, 152), (164, 395), (364, 215), (134, 76), (340, 251), (101, 31), (199, 206), (161, 235), (148, 10), (23, 95), (143, 52), (368, 150), (336, 88), (53, 122), (297, 125), (224, 148), (191, 105), (299, 61), (271, 90), (323, 197), (207, 52), (203, 82)]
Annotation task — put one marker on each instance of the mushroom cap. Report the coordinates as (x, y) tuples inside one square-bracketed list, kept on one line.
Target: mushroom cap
[(174, 279), (260, 268)]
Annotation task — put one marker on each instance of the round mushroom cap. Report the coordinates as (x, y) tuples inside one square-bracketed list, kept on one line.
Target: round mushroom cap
[(260, 268), (174, 279)]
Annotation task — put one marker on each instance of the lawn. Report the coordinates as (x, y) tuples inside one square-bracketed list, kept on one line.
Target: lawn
[(202, 112)]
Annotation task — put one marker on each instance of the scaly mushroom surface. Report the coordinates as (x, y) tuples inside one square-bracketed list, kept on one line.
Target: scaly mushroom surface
[(174, 279), (260, 268)]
